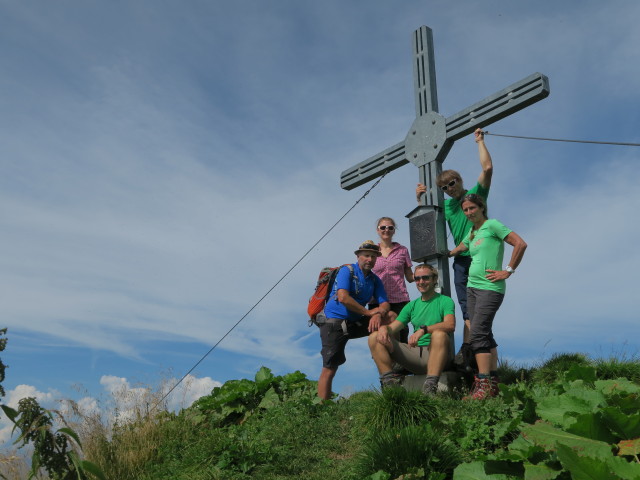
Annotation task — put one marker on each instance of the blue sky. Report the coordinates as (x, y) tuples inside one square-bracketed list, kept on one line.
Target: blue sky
[(163, 164)]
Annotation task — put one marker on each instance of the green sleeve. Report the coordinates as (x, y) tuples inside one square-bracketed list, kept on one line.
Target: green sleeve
[(499, 230), (405, 314)]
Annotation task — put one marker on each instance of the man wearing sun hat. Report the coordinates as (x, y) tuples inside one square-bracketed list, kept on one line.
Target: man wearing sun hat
[(346, 313)]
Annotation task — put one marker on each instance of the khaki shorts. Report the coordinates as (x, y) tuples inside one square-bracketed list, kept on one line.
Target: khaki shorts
[(413, 359)]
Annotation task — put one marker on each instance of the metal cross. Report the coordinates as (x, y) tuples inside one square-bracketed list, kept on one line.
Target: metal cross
[(428, 142)]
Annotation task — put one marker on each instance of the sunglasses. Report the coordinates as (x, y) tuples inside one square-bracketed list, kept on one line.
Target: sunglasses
[(391, 228), (423, 278), (449, 185)]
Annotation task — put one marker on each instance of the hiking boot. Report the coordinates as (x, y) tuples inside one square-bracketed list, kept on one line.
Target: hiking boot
[(481, 390), (429, 388), (495, 389), (391, 379)]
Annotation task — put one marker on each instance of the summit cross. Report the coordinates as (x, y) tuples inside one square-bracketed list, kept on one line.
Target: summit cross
[(428, 142)]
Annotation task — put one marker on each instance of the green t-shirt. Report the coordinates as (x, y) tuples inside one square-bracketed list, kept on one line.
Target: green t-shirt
[(419, 312), (457, 220), (487, 252)]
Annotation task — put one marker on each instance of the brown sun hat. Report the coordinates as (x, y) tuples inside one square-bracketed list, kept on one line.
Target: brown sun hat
[(368, 246)]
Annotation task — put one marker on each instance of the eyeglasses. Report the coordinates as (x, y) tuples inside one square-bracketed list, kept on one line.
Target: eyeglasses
[(391, 228), (449, 185), (423, 278)]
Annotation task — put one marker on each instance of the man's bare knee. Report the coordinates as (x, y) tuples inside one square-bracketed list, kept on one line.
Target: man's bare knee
[(439, 337)]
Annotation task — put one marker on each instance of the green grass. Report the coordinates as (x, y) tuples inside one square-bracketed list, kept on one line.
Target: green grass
[(274, 428)]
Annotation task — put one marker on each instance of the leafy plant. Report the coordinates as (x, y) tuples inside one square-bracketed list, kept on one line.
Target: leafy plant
[(236, 400), (583, 428), (52, 451)]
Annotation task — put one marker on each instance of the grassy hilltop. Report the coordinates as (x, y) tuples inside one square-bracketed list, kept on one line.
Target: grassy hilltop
[(570, 418)]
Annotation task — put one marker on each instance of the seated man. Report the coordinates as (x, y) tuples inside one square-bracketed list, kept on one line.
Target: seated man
[(429, 348), (345, 312)]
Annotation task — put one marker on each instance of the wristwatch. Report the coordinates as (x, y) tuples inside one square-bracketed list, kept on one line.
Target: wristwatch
[(423, 327), (509, 269)]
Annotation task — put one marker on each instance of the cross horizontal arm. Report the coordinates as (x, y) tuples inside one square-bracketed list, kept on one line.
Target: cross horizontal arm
[(373, 167), (497, 106)]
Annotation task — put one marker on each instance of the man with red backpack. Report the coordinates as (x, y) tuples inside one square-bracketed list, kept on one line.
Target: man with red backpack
[(345, 314)]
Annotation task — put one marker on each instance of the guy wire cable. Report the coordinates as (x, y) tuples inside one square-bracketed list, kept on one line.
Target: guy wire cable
[(486, 132), (269, 291)]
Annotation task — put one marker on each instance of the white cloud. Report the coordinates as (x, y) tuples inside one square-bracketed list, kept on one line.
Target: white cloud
[(123, 402)]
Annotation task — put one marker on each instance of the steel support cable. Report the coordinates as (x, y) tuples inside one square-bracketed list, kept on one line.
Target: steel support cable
[(269, 291), (563, 140)]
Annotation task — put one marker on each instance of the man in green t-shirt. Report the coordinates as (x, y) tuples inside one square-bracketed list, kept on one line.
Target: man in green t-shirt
[(450, 182), (433, 318)]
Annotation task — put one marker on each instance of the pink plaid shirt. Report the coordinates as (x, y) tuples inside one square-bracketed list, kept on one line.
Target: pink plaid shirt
[(391, 271)]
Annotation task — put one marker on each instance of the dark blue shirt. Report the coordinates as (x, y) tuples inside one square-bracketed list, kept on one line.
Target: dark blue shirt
[(360, 288)]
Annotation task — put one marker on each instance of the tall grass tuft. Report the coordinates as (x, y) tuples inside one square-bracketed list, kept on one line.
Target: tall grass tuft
[(559, 363), (123, 434), (398, 452), (614, 367), (397, 408), (511, 373)]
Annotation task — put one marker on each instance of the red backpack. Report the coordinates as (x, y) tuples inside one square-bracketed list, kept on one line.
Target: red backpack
[(324, 286)]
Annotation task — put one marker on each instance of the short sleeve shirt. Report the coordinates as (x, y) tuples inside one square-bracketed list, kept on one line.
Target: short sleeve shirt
[(360, 288), (459, 224), (487, 253), (420, 312), (391, 271)]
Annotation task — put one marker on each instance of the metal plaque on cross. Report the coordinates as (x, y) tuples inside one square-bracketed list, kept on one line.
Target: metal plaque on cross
[(428, 142)]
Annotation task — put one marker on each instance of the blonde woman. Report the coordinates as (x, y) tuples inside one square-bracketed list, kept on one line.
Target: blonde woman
[(393, 267)]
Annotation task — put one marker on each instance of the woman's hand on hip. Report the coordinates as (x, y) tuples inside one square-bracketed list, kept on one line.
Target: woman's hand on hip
[(497, 275)]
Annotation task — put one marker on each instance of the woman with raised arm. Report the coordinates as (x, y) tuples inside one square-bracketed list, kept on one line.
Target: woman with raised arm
[(486, 286)]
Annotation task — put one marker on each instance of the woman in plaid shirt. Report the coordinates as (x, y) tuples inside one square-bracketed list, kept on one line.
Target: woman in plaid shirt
[(393, 267)]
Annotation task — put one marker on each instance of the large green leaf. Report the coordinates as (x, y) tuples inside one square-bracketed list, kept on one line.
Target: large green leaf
[(583, 467), (522, 449), (474, 471), (270, 399), (589, 468), (617, 386), (549, 437), (626, 426), (563, 409), (264, 376), (541, 471), (592, 425)]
